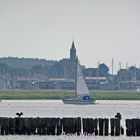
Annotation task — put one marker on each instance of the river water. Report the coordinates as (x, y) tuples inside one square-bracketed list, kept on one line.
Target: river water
[(55, 108)]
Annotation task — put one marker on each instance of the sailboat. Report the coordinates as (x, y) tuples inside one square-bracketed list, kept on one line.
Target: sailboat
[(83, 94)]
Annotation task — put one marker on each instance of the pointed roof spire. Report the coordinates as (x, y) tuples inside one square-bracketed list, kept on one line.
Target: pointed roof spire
[(73, 46), (73, 52)]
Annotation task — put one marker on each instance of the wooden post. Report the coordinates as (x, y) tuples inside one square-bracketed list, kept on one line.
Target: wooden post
[(44, 126), (69, 125), (84, 120), (33, 126), (20, 126), (106, 125), (38, 126), (11, 126), (78, 125), (53, 126), (101, 126), (59, 126), (137, 127), (95, 125), (4, 124), (128, 127), (117, 127), (112, 126), (134, 127)]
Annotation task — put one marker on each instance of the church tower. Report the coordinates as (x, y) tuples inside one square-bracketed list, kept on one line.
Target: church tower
[(73, 52)]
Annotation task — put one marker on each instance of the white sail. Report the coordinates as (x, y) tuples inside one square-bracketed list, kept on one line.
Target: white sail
[(82, 91), (81, 84)]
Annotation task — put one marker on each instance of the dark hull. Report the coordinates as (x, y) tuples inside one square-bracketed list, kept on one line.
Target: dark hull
[(81, 100)]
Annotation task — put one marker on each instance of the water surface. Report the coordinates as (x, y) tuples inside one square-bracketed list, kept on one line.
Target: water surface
[(55, 108)]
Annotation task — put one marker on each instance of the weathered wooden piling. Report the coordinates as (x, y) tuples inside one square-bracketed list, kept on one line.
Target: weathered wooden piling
[(58, 126), (115, 127), (137, 127), (101, 127), (91, 126), (69, 125), (133, 127), (112, 126), (78, 125), (106, 127), (11, 126), (53, 126), (95, 125), (4, 124), (45, 126), (88, 125), (38, 125), (18, 125), (129, 130)]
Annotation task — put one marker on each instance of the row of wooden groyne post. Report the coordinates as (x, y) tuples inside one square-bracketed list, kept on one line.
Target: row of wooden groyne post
[(59, 126)]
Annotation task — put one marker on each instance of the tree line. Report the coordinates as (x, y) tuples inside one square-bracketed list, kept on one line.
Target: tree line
[(60, 69)]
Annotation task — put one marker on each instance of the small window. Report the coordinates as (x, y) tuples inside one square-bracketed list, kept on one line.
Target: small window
[(86, 98)]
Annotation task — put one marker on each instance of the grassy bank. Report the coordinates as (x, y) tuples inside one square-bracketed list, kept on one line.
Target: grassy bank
[(34, 94), (116, 95), (47, 94)]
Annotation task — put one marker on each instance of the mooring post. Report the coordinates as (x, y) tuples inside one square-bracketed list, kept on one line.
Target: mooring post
[(101, 127), (106, 125), (117, 127), (53, 126), (78, 125), (2, 120), (128, 123), (6, 126), (38, 126), (134, 127), (95, 126), (88, 126), (11, 126), (69, 125), (112, 126), (137, 127), (59, 126)]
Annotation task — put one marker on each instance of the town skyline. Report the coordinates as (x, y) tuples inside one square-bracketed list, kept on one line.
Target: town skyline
[(102, 30), (72, 55)]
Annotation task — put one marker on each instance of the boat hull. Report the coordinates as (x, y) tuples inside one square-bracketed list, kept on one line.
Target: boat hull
[(81, 100)]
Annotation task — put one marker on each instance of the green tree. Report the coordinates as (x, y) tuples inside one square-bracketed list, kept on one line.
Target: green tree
[(103, 70), (3, 68)]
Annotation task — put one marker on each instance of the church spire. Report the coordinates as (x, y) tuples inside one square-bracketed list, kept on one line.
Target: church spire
[(73, 52), (73, 46)]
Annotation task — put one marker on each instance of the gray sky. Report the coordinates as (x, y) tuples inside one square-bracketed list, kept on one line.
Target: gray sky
[(102, 30)]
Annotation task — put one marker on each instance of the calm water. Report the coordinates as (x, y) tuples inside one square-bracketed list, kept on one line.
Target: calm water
[(55, 108)]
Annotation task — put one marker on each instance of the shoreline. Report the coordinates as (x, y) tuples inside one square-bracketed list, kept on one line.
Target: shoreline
[(60, 94)]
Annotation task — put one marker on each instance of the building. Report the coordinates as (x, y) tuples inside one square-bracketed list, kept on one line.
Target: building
[(73, 56)]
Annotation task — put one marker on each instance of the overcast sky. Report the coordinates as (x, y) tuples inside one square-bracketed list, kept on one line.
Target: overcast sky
[(102, 30)]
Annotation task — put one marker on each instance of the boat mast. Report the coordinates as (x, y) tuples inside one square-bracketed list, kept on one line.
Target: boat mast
[(76, 65)]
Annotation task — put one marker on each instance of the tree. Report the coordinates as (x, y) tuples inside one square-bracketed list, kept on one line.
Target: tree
[(90, 72), (21, 72), (58, 70), (103, 70)]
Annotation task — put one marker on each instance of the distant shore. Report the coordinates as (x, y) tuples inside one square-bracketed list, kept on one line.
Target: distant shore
[(59, 94)]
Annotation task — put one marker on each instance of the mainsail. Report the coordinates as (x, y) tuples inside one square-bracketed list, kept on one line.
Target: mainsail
[(81, 84)]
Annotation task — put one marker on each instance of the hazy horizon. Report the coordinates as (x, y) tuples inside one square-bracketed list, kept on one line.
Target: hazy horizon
[(101, 29)]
